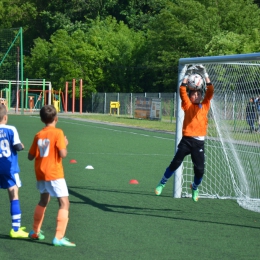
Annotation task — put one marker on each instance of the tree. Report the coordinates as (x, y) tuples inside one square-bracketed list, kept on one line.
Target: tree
[(177, 33), (17, 14), (227, 43), (257, 2), (119, 48), (137, 47), (198, 28), (103, 57), (63, 58)]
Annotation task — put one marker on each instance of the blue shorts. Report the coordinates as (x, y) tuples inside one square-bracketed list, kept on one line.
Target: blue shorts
[(9, 180)]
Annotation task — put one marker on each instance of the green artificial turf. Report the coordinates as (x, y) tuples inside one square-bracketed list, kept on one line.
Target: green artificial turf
[(112, 219)]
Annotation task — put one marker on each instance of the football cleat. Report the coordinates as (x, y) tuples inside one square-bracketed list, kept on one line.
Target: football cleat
[(63, 242), (36, 236), (195, 194), (159, 188), (19, 234)]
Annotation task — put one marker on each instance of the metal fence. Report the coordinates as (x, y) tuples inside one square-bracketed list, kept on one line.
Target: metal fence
[(100, 102)]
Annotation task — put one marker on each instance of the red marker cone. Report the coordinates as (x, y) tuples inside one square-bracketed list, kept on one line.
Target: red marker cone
[(73, 161), (133, 182)]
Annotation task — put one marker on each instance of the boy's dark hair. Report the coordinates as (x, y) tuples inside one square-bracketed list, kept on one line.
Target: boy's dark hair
[(195, 90), (48, 114), (3, 112)]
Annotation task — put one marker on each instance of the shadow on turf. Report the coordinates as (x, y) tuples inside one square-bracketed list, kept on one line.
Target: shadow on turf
[(107, 208), (120, 191), (7, 237)]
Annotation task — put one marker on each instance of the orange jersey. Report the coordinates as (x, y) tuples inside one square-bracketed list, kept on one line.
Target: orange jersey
[(195, 115), (45, 148)]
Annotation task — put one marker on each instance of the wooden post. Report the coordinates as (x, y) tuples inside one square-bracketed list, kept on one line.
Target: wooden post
[(31, 103), (73, 95), (80, 96), (66, 97)]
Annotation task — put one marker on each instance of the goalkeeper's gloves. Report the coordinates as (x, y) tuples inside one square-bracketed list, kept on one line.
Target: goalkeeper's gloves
[(190, 70), (202, 70)]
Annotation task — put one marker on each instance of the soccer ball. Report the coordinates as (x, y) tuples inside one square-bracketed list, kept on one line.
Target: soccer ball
[(195, 82)]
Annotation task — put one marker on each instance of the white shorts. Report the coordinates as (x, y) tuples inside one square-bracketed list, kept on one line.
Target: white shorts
[(57, 188)]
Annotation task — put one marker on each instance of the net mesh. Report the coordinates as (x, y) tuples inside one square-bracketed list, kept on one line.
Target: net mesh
[(10, 55)]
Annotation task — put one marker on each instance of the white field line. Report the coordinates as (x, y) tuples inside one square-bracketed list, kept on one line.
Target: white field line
[(116, 130)]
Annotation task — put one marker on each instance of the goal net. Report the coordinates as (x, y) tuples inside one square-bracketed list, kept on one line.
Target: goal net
[(11, 65), (232, 147)]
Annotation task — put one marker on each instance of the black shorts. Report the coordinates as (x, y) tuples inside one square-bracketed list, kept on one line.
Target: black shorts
[(194, 147)]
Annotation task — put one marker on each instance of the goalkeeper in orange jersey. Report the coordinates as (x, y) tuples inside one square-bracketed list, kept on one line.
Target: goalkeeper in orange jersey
[(48, 148), (194, 127)]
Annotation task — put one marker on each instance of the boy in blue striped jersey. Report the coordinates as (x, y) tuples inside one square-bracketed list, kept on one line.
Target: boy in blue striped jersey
[(10, 144)]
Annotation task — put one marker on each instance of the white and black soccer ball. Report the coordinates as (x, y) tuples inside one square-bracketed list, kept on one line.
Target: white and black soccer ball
[(195, 81)]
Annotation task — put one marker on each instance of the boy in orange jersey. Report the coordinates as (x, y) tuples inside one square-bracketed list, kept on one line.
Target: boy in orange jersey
[(48, 149), (194, 130)]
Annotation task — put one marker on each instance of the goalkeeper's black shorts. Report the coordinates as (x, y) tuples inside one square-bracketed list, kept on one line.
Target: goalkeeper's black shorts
[(194, 147)]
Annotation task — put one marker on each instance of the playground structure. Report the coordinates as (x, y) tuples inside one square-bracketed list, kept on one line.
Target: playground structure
[(38, 98), (73, 95), (30, 99), (4, 98), (22, 94)]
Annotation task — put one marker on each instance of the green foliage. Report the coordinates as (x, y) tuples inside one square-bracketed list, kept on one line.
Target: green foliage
[(128, 46), (226, 43), (177, 33), (16, 14), (239, 16), (101, 57), (118, 48)]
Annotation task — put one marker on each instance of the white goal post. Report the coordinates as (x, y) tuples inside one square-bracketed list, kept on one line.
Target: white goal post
[(232, 169)]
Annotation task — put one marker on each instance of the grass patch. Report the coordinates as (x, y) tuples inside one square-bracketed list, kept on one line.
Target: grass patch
[(111, 219), (166, 124)]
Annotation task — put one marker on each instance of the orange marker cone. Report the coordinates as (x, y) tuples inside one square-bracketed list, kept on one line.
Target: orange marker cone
[(133, 182), (73, 161)]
